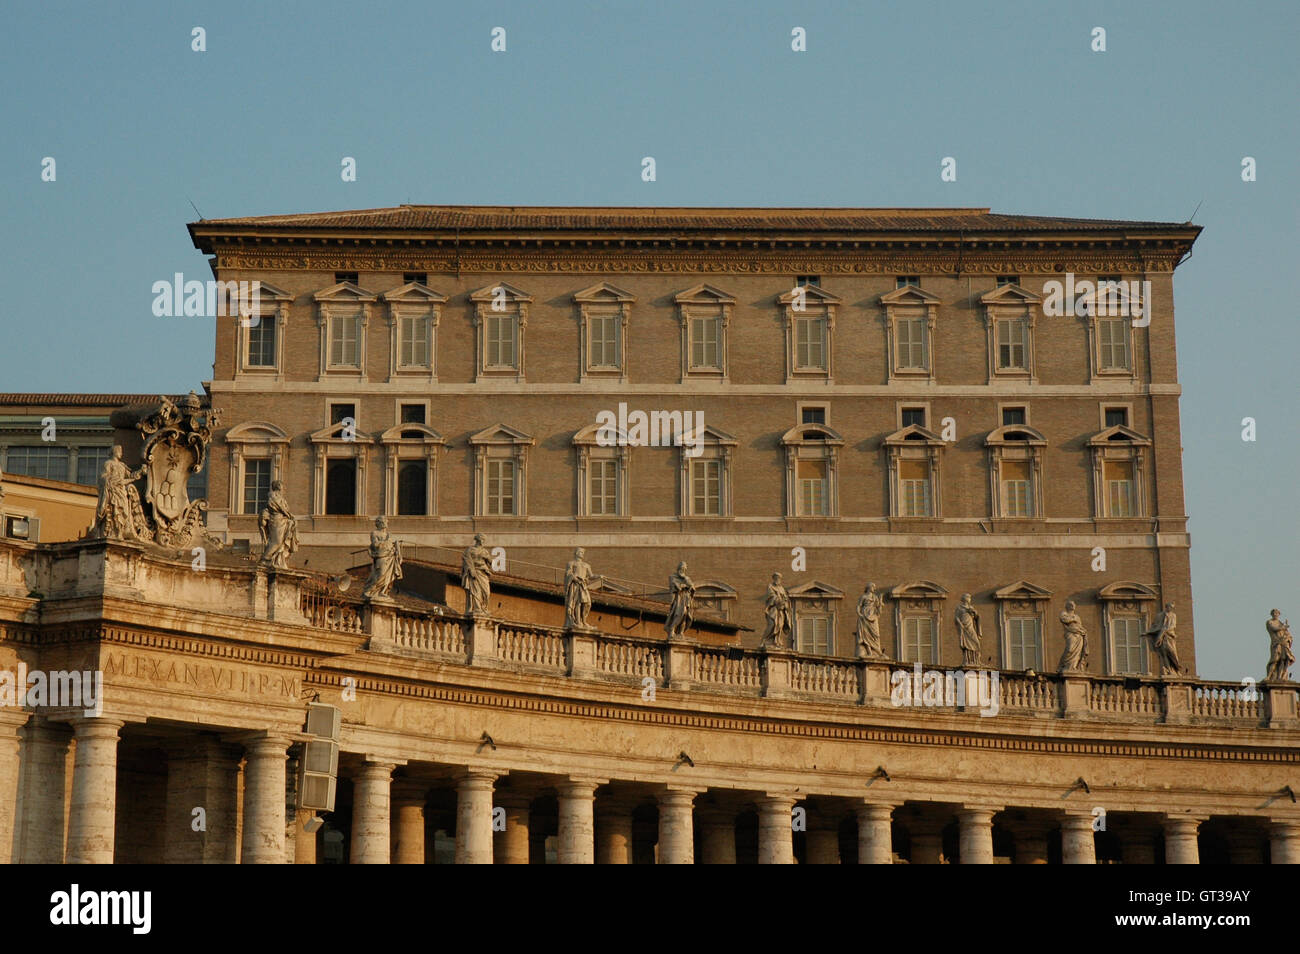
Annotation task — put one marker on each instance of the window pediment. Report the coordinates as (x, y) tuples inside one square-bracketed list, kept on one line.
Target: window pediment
[(600, 435), (251, 432), (413, 293), (914, 434), (488, 294), (815, 590), (1118, 434), (910, 295), (810, 293), (334, 434), (918, 590), (811, 434), (400, 433), (603, 292), (1127, 591), (1017, 434), (704, 294), (1022, 591), (1012, 295), (267, 290), (344, 293), (710, 435), (500, 434)]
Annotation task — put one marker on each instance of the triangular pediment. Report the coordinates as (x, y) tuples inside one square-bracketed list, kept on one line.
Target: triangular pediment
[(1126, 590), (489, 293), (909, 295), (704, 294), (1016, 434), (805, 433), (816, 589), (1010, 295), (333, 433), (251, 432), (413, 293), (1022, 590), (711, 434), (918, 590), (914, 434), (267, 290), (810, 293), (1118, 434), (603, 291), (344, 292), (500, 434)]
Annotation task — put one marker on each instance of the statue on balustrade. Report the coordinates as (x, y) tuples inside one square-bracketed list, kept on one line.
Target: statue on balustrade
[(1075, 656), (968, 631), (119, 516), (1280, 656), (868, 628), (476, 576), (780, 621), (1164, 639), (578, 584), (279, 529), (385, 561), (681, 610)]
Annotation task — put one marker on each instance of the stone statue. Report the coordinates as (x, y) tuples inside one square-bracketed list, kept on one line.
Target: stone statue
[(780, 621), (868, 629), (1164, 641), (1075, 656), (476, 576), (968, 631), (680, 612), (578, 584), (1280, 656), (385, 561), (279, 529), (118, 515)]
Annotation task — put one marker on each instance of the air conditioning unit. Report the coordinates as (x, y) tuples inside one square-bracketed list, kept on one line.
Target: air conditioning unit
[(319, 766)]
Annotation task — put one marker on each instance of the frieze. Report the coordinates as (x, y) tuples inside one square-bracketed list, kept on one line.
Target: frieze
[(204, 677)]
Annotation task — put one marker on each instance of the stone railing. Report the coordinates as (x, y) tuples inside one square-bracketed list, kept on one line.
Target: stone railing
[(336, 616), (1125, 698), (437, 634), (1227, 701), (1035, 693), (718, 667), (626, 657), (530, 646), (837, 678)]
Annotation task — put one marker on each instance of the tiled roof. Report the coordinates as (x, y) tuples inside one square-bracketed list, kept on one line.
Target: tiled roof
[(469, 218), (81, 400)]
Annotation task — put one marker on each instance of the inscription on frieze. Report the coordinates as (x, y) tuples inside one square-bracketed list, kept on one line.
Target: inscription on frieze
[(202, 677)]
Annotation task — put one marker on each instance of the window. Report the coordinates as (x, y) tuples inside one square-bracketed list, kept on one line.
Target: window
[(604, 311), (257, 485), (500, 318), (500, 494), (603, 341), (345, 335), (341, 410), (1120, 495), (413, 343), (22, 528), (341, 277), (914, 486), (412, 414), (1008, 280), (913, 416), (814, 634), (1012, 342), (810, 343), (809, 313), (413, 487), (39, 461), (603, 487), (261, 343), (1116, 417), (1017, 497), (500, 341), (1127, 651), (1024, 643), (705, 314), (903, 281), (705, 335), (815, 414), (1112, 337), (1012, 416), (911, 343), (706, 487), (415, 278), (90, 463), (802, 281), (340, 486), (813, 488), (918, 640)]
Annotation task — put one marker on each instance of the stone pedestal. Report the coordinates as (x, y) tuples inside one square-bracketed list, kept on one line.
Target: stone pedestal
[(717, 836), (203, 774), (1074, 695), (613, 832), (775, 831), (676, 827), (975, 838), (44, 782), (776, 673), (679, 661), (511, 845), (264, 791), (577, 834), (474, 817), (379, 622), (1181, 846), (93, 816), (1176, 697), (1078, 842), (371, 822), (1280, 701), (480, 641), (580, 651), (875, 834)]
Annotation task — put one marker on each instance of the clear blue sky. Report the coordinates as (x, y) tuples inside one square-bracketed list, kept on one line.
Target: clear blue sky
[(140, 125)]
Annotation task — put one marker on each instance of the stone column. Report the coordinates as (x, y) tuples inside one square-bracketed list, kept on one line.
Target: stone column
[(372, 835), (93, 818), (304, 849), (44, 783), (926, 836), (510, 846), (1284, 842), (1078, 843), (10, 722), (775, 831), (408, 810), (875, 834), (1180, 840), (202, 774), (264, 805), (1031, 842), (676, 827), (717, 836), (613, 832), (577, 822), (474, 817), (975, 838), (823, 843)]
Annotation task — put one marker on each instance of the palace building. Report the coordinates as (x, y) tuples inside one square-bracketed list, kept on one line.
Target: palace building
[(947, 403)]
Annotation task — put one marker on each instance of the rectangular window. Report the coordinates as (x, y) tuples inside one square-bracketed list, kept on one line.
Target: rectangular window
[(39, 461), (344, 339), (902, 281), (812, 415), (812, 487), (913, 415), (1024, 648), (706, 487), (1117, 417), (413, 341), (704, 343), (1112, 334), (500, 341), (261, 343), (257, 485), (814, 633), (413, 414), (415, 278), (911, 343), (500, 487), (1012, 416), (1013, 337), (603, 490), (810, 343), (602, 334), (1016, 499), (342, 409), (1008, 280), (1126, 641), (804, 280), (1120, 498), (914, 487), (90, 461), (341, 277), (918, 640)]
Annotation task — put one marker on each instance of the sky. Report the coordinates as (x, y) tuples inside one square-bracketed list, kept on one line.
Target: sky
[(143, 130)]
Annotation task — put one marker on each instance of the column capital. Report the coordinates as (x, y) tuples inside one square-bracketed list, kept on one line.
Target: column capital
[(267, 746), (1183, 822), (376, 770), (775, 800), (677, 796), (582, 787), (974, 811), (1283, 826), (96, 727), (876, 811), (476, 778), (1076, 820), (13, 719)]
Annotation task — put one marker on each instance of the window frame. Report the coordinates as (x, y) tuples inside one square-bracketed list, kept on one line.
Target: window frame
[(497, 443), (718, 446), (910, 303), (704, 301), (516, 311)]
